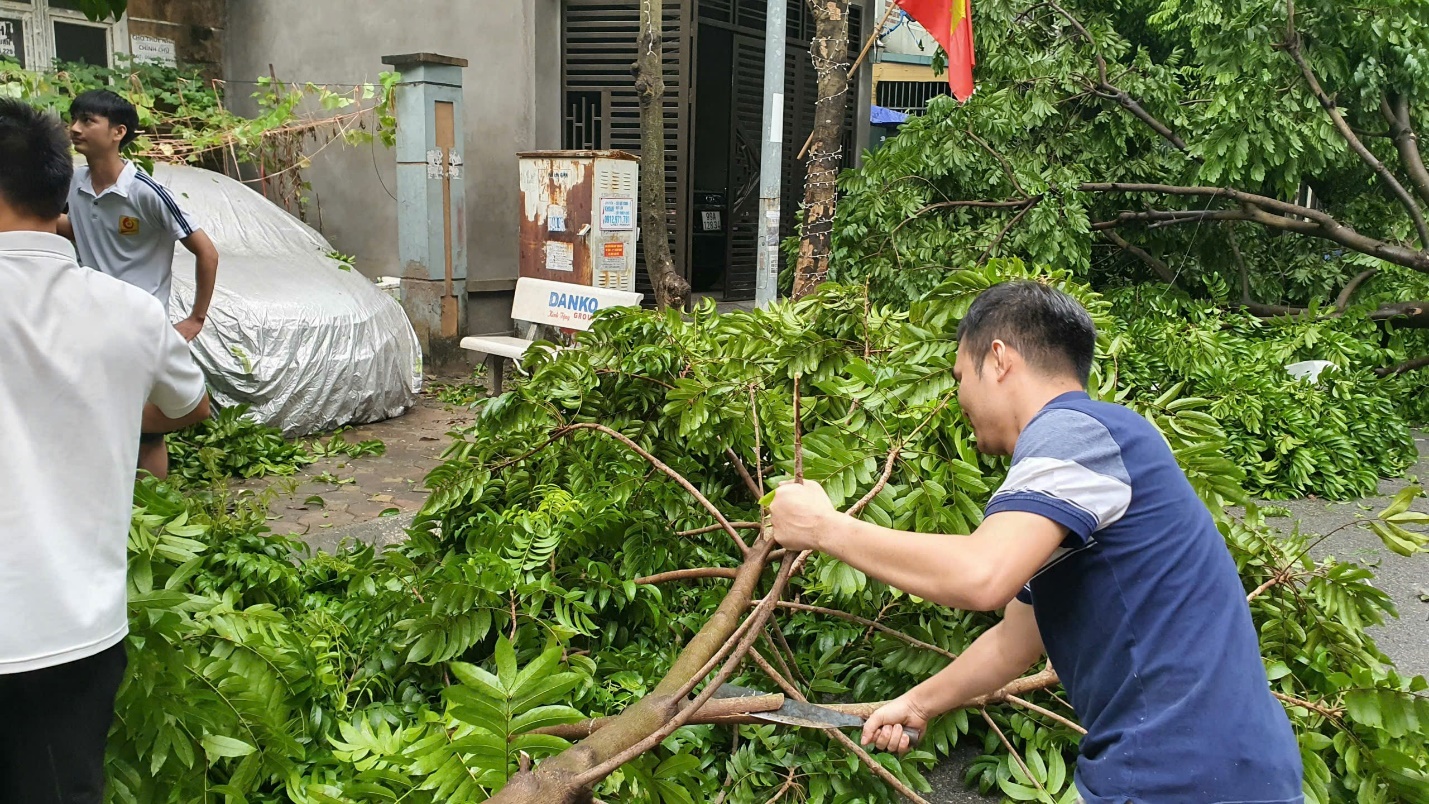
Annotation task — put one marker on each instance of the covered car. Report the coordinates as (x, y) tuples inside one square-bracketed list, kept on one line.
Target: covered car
[(308, 343)]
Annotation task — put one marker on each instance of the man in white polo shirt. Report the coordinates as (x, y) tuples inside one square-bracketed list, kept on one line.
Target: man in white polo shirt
[(125, 224), (84, 358)]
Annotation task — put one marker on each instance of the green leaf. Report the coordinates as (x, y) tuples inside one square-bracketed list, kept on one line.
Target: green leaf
[(218, 747)]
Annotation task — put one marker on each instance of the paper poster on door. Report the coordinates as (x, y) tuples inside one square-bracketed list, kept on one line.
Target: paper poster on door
[(560, 257), (555, 218), (12, 40), (613, 258), (617, 214)]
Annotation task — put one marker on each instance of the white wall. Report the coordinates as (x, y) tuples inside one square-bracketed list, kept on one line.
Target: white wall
[(512, 104)]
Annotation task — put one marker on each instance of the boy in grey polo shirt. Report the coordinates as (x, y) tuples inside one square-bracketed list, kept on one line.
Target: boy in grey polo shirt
[(125, 224)]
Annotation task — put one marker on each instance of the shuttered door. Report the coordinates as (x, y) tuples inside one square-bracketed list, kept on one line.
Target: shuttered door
[(600, 47)]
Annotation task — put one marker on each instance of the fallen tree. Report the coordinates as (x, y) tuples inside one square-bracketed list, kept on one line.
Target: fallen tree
[(460, 665), (1269, 148)]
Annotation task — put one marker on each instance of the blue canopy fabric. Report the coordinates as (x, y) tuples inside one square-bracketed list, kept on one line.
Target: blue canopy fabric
[(882, 116)]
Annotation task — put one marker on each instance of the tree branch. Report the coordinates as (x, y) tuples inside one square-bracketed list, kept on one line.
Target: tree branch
[(1047, 713), (1002, 160), (736, 654), (1106, 89), (1332, 714), (1240, 265), (1404, 368), (1401, 130), (726, 636), (697, 573), (743, 471), (713, 528), (1289, 217), (1407, 315), (1012, 224), (671, 473), (1342, 302), (1163, 271), (854, 618), (744, 711), (715, 711), (1292, 46), (1011, 750)]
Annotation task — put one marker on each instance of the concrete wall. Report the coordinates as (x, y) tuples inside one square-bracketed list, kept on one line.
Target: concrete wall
[(512, 96)]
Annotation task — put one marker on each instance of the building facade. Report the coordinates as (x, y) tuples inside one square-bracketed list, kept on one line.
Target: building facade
[(542, 75), (38, 33)]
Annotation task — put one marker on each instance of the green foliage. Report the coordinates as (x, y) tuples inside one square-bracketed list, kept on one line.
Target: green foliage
[(264, 680), (463, 393), (687, 389), (1214, 74), (417, 674), (1217, 75), (183, 116), (231, 445), (1335, 437)]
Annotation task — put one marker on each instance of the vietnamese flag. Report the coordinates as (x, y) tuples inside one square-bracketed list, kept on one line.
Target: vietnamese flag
[(951, 23)]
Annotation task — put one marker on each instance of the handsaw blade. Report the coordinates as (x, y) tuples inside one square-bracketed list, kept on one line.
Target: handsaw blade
[(811, 716), (805, 715), (794, 713)]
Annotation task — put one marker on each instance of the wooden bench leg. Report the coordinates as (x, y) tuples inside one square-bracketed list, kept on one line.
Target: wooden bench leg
[(495, 366)]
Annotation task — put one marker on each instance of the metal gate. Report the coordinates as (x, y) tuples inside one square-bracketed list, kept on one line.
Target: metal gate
[(603, 112)]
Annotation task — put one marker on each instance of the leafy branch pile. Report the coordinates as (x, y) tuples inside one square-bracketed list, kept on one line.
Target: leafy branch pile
[(571, 564), (1334, 437), (229, 445)]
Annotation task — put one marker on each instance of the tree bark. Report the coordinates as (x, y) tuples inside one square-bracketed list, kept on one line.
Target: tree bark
[(829, 51), (1292, 46), (1406, 141), (671, 289), (1405, 367), (1286, 217)]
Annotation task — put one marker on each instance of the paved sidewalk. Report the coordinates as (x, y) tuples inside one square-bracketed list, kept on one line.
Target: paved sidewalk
[(371, 498)]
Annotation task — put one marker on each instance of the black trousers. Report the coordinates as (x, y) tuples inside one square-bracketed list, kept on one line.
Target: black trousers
[(53, 726)]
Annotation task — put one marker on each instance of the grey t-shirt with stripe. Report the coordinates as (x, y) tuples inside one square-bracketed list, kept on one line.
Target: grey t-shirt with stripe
[(128, 231)]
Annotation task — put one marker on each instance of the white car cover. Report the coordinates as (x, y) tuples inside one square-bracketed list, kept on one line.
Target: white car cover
[(308, 345)]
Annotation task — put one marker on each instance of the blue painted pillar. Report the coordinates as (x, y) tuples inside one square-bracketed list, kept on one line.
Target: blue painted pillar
[(431, 200)]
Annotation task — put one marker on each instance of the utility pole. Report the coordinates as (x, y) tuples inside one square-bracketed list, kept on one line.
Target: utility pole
[(766, 285)]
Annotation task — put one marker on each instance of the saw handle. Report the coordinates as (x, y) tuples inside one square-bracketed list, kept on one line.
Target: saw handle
[(914, 736)]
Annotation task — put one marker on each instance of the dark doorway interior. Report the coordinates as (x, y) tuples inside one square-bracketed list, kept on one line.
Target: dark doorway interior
[(710, 169)]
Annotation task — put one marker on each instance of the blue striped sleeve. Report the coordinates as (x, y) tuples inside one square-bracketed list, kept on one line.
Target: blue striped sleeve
[(176, 222), (1068, 468)]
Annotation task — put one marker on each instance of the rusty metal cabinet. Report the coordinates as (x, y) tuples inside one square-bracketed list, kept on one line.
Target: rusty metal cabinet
[(579, 217)]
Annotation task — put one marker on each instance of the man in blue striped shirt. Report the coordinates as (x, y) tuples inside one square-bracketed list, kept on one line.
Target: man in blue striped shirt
[(125, 224), (1104, 559)]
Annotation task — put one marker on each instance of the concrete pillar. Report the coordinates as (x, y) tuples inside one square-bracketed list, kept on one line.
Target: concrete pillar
[(431, 201)]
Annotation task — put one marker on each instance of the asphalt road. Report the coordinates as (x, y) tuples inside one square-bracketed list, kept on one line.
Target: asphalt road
[(1405, 640)]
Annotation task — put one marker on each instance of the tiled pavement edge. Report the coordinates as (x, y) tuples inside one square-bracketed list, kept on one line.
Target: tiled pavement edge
[(371, 498)]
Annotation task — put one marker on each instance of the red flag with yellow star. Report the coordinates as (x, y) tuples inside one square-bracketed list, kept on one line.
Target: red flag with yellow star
[(951, 23)]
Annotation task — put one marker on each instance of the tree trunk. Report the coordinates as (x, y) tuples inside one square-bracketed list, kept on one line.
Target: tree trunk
[(829, 52), (671, 289)]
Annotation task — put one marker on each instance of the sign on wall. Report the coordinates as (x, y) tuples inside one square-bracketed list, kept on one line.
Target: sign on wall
[(154, 50), (12, 40)]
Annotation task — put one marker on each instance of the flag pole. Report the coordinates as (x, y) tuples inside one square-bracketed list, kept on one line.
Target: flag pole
[(853, 70)]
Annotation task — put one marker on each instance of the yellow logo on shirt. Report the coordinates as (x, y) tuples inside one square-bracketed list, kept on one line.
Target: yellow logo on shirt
[(128, 225)]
